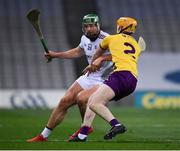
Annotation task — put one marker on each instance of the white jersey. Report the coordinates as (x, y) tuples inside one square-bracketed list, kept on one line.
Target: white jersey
[(89, 48)]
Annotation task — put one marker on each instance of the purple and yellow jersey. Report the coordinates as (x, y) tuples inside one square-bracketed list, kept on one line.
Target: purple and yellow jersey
[(125, 52)]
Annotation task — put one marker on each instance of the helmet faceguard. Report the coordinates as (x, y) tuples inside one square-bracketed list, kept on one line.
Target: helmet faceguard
[(126, 25), (91, 19)]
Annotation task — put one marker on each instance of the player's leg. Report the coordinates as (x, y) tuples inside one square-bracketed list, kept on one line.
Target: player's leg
[(97, 104), (104, 94), (65, 103), (59, 112), (122, 84), (84, 130), (98, 101), (118, 85), (82, 99)]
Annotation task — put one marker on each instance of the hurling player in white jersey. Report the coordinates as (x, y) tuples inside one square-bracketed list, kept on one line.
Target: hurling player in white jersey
[(79, 92)]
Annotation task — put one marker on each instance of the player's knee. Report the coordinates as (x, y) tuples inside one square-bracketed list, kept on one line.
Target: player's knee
[(80, 99), (66, 102)]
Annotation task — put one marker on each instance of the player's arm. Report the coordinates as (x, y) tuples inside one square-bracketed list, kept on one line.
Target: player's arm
[(98, 54), (96, 61), (69, 54), (101, 49)]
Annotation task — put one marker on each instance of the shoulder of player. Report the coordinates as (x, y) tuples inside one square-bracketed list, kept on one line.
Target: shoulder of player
[(102, 35), (110, 37), (83, 37)]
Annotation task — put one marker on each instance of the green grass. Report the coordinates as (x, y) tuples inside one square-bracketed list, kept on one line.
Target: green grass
[(147, 129)]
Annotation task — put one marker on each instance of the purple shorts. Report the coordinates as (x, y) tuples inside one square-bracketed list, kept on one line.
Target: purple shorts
[(123, 83)]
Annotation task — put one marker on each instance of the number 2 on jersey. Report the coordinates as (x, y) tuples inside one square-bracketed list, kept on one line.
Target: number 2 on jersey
[(132, 51)]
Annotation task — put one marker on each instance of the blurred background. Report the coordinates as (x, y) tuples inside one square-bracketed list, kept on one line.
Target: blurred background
[(27, 81)]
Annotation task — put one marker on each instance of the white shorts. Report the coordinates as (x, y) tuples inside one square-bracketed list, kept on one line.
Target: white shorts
[(87, 82)]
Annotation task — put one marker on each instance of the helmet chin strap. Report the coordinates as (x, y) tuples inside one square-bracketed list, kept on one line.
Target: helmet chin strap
[(122, 30)]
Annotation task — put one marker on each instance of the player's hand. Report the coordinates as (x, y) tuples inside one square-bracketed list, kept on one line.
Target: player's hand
[(97, 63), (50, 55), (89, 69)]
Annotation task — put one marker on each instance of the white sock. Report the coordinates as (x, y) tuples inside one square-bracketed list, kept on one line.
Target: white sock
[(117, 124), (82, 136), (46, 132)]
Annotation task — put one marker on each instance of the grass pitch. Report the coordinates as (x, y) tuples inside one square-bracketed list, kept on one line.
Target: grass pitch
[(147, 129)]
